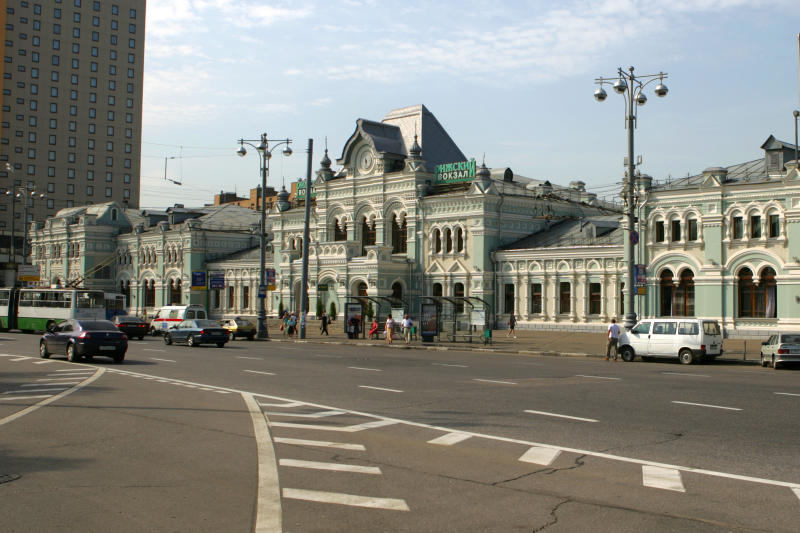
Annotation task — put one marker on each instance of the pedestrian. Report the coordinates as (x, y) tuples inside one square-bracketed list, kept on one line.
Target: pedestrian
[(389, 328), (373, 329), (407, 323), (323, 326), (285, 324), (613, 339), (512, 323), (292, 324)]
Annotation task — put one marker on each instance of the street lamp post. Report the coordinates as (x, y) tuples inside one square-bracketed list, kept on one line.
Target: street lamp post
[(266, 154), (26, 194), (632, 88)]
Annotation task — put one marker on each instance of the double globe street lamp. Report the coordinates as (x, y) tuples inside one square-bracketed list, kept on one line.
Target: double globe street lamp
[(632, 88), (265, 152)]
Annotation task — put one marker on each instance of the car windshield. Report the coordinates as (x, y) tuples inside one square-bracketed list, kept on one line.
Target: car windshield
[(207, 323), (97, 325), (790, 339)]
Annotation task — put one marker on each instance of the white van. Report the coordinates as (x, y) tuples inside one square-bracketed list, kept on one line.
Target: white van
[(170, 315), (688, 339)]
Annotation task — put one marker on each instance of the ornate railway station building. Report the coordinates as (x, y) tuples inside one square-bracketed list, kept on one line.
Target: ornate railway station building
[(406, 218)]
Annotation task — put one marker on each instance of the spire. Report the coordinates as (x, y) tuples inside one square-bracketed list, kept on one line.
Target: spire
[(283, 200), (416, 149)]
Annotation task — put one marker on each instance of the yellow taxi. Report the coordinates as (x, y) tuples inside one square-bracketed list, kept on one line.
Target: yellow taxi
[(239, 327)]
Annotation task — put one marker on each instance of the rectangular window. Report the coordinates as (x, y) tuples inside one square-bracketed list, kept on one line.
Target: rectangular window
[(245, 297), (660, 231), (755, 227), (108, 192), (536, 298), (508, 300), (564, 297), (595, 297), (692, 230), (676, 230), (738, 228), (774, 226)]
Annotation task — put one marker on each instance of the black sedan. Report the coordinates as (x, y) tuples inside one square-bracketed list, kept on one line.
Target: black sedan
[(196, 332), (80, 339), (132, 326)]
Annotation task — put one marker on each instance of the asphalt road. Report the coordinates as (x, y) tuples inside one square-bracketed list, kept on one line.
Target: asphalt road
[(382, 439)]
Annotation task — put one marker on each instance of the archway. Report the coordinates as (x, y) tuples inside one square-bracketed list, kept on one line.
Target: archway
[(666, 289)]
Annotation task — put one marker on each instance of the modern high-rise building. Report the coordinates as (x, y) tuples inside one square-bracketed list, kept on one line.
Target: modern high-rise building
[(71, 109)]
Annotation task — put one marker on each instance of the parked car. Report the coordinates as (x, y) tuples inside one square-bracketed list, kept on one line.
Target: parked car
[(780, 348), (84, 339), (239, 327), (132, 326), (197, 332), (687, 339)]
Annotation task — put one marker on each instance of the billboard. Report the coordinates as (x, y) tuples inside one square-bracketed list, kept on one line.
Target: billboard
[(429, 323)]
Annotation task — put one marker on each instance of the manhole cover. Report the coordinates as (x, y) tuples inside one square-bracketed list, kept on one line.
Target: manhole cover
[(5, 478)]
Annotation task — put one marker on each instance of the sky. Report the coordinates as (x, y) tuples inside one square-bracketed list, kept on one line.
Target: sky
[(511, 81)]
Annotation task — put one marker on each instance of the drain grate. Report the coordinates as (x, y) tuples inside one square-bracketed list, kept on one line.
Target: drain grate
[(5, 478)]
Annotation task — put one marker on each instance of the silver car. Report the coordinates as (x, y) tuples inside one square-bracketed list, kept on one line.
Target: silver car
[(197, 332), (780, 348)]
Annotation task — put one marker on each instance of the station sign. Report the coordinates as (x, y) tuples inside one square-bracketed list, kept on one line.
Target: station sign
[(216, 279), (198, 280), (459, 172), (300, 191)]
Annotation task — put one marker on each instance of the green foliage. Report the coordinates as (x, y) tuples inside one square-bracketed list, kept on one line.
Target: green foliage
[(332, 311), (320, 307), (370, 312), (280, 308)]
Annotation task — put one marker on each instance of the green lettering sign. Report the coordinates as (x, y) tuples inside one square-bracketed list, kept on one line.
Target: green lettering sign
[(300, 192), (460, 172)]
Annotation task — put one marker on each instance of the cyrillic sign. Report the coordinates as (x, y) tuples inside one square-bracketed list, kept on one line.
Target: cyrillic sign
[(300, 192), (455, 172)]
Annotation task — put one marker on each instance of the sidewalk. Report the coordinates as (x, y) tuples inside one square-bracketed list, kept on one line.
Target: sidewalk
[(532, 342)]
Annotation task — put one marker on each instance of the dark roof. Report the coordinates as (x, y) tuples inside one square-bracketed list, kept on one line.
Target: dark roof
[(590, 231), (248, 254)]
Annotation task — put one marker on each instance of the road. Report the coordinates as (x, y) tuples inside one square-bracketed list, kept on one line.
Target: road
[(366, 438)]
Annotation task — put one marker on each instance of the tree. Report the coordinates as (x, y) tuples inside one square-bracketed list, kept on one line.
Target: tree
[(280, 308), (320, 307), (370, 311), (332, 311)]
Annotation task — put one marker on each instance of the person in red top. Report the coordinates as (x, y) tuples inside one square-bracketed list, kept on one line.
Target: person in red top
[(373, 330)]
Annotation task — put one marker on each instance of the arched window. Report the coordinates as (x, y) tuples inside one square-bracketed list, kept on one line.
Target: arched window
[(448, 240), (175, 292), (458, 292), (437, 241), (437, 289), (367, 235), (459, 240), (683, 304), (340, 231), (397, 294), (666, 289), (150, 293), (758, 301), (399, 237)]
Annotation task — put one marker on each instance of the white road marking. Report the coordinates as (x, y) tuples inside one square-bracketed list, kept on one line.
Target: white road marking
[(36, 390), (378, 388), (449, 439), (540, 456), (345, 499), (73, 370), (51, 384), (43, 362), (259, 372), (707, 405), (320, 443), (72, 375), (22, 358), (321, 414), (152, 350), (327, 355), (796, 491), (57, 379), (560, 416), (97, 373), (662, 478), (333, 467), (286, 405), (165, 360), (787, 394), (596, 377), (24, 398), (686, 374), (381, 421), (495, 381), (445, 364), (362, 368), (254, 358), (268, 511), (344, 429)]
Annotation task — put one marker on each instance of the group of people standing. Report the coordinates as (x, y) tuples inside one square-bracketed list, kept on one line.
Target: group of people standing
[(407, 326)]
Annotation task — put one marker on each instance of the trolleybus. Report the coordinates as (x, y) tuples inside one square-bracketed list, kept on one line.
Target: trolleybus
[(35, 309)]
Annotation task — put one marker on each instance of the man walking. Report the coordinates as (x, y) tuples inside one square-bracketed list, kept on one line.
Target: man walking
[(613, 339), (323, 326), (407, 323)]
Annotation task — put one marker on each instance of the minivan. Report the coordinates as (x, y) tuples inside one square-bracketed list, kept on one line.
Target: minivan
[(689, 340), (170, 315)]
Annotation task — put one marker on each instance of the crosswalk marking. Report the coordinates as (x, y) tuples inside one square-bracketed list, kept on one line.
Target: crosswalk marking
[(74, 370), (23, 358), (43, 362), (321, 414), (37, 390), (320, 443), (285, 405), (449, 439), (72, 382), (540, 455), (344, 429), (662, 478), (24, 397), (334, 467), (346, 499)]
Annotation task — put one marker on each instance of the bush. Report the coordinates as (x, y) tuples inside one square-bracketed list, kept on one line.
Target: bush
[(320, 307), (332, 311), (370, 312), (280, 309)]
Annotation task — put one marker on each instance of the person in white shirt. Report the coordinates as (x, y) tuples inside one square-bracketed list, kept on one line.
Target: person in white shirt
[(613, 339), (389, 328), (407, 323)]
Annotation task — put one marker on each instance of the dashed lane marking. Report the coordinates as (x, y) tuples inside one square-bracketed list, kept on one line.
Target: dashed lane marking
[(344, 429), (445, 364), (368, 369), (28, 391), (540, 456), (320, 443), (22, 358), (545, 413), (253, 358), (286, 405), (333, 467), (686, 374), (345, 499), (449, 439), (378, 388), (57, 379), (708, 405), (60, 382), (495, 381), (152, 350), (662, 478), (260, 372), (43, 362), (321, 414), (165, 360), (597, 377), (787, 394), (88, 370)]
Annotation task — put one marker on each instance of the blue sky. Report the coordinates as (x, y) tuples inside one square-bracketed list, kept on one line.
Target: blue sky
[(511, 80)]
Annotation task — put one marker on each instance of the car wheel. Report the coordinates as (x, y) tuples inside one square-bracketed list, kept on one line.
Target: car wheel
[(167, 339), (190, 341), (627, 354), (686, 357), (220, 345), (141, 337), (43, 351), (153, 332), (250, 337), (72, 354), (119, 358), (763, 363)]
